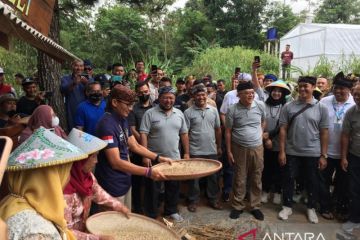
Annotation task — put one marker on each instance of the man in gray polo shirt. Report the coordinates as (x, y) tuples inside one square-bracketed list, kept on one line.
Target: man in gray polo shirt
[(160, 129), (203, 122), (244, 128), (350, 159), (303, 142)]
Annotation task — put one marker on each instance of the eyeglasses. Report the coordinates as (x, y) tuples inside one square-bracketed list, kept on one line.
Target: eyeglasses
[(88, 69), (129, 105)]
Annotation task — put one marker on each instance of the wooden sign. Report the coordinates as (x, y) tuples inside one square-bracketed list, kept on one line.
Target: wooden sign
[(36, 13)]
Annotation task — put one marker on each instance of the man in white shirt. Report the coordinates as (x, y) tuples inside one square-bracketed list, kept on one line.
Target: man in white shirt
[(337, 105)]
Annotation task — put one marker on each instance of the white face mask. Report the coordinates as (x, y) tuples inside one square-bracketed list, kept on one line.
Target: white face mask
[(55, 122)]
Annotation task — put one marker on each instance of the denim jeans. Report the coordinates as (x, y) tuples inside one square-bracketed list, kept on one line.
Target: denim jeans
[(311, 173)]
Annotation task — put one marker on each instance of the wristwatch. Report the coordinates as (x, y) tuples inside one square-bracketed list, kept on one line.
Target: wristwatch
[(324, 155)]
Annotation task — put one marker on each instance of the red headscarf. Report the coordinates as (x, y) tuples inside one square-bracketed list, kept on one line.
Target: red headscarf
[(80, 182), (41, 117)]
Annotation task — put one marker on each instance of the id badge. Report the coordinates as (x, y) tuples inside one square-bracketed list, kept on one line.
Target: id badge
[(337, 125)]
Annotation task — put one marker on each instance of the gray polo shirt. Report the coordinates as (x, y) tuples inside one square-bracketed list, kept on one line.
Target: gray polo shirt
[(351, 126), (273, 123), (246, 123), (201, 124), (303, 136), (163, 131)]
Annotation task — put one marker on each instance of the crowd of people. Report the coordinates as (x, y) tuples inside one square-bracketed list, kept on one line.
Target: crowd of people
[(284, 142)]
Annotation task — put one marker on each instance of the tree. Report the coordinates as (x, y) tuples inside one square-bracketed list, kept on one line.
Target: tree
[(121, 35), (152, 9), (192, 28), (338, 11), (279, 16), (238, 22)]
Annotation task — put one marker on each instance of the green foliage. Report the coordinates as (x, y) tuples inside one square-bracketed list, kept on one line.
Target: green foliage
[(191, 33), (338, 11), (21, 59), (121, 34), (323, 68), (221, 62), (149, 7), (326, 68), (280, 16), (238, 22)]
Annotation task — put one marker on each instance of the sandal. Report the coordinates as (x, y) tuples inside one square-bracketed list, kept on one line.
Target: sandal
[(192, 207), (327, 215)]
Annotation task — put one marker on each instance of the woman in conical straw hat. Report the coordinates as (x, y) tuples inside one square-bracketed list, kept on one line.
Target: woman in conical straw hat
[(83, 188), (38, 170)]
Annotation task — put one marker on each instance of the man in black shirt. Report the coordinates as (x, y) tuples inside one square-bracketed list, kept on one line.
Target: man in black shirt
[(143, 93), (32, 99)]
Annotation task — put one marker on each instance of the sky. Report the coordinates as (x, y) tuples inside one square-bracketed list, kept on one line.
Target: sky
[(296, 5)]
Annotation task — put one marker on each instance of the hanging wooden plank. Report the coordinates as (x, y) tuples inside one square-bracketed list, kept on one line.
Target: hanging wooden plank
[(36, 13)]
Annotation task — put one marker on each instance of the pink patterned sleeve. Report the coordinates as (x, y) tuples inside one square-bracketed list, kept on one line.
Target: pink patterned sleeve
[(101, 197), (70, 204)]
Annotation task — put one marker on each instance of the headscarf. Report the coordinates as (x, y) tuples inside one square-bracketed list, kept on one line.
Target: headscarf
[(80, 182), (40, 117), (40, 189)]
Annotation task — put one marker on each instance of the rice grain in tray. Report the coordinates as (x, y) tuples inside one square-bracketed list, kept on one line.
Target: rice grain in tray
[(189, 169), (137, 227)]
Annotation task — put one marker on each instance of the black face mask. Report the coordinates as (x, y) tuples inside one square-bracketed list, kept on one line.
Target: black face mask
[(95, 97), (144, 98), (11, 113)]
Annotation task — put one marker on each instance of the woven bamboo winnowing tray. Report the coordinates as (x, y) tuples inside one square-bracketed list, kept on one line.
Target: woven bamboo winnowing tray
[(137, 227), (187, 169)]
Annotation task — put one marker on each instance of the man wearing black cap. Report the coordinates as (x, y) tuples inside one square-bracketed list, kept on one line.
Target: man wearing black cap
[(244, 128), (161, 129), (180, 87), (32, 99), (337, 105), (303, 142), (88, 69)]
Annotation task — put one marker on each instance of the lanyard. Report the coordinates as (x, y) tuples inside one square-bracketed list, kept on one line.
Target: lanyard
[(340, 113)]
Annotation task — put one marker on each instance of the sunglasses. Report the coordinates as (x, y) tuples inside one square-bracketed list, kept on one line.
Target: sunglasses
[(88, 69)]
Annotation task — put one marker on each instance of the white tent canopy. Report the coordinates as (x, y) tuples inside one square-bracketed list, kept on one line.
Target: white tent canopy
[(309, 42)]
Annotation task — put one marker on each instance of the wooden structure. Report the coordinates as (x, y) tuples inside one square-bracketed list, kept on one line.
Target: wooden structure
[(11, 25)]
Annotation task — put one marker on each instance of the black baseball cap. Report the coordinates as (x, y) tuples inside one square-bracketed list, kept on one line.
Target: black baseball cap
[(28, 80)]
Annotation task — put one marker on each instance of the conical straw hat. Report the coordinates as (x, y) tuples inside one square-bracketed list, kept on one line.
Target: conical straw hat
[(42, 149), (86, 142)]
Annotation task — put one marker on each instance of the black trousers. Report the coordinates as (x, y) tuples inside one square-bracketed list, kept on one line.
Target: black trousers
[(271, 177), (340, 195), (227, 169), (151, 198), (291, 170), (137, 186), (354, 184)]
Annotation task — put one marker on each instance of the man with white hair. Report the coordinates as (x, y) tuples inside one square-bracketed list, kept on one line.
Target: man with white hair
[(73, 89)]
